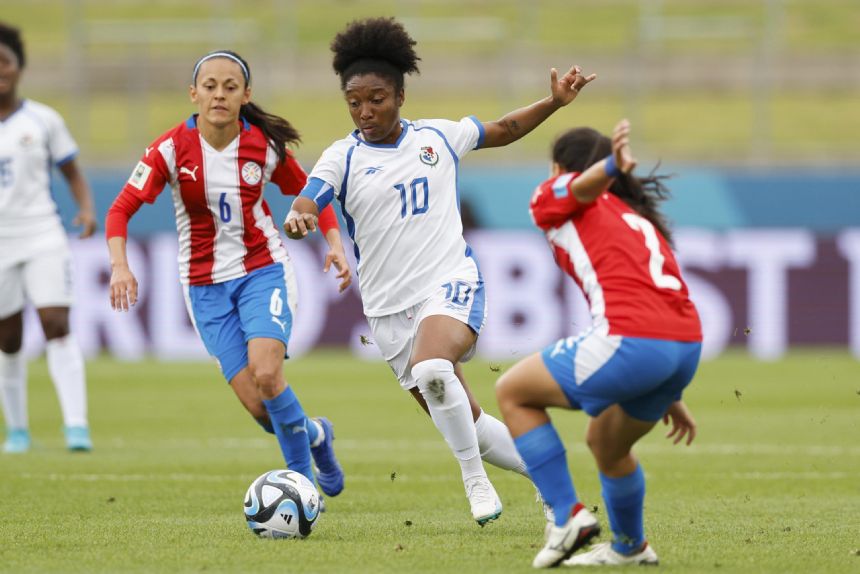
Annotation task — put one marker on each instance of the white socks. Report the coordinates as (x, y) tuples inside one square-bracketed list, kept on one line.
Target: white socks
[(497, 446), (13, 390), (449, 408), (66, 365)]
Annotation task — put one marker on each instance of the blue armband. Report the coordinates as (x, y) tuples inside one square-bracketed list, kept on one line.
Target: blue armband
[(319, 192), (610, 167)]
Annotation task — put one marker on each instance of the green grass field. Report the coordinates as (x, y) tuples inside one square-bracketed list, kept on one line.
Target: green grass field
[(771, 484)]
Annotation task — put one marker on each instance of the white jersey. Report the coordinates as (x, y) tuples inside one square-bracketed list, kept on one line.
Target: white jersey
[(402, 208), (33, 140)]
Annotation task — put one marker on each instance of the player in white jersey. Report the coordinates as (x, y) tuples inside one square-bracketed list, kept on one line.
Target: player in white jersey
[(34, 251), (422, 290)]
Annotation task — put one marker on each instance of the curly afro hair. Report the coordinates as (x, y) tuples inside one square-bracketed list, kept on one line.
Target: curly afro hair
[(379, 46), (11, 37)]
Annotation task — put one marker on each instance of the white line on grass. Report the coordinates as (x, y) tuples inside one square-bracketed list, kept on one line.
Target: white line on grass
[(381, 445)]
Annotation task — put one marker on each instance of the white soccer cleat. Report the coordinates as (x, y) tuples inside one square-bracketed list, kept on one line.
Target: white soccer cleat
[(486, 505), (603, 555), (562, 541)]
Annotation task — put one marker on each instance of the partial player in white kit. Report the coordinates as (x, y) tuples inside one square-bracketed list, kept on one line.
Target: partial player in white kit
[(34, 252), (422, 290)]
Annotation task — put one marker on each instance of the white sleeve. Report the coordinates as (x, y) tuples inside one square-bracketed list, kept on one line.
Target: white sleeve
[(331, 166), (60, 142), (462, 136)]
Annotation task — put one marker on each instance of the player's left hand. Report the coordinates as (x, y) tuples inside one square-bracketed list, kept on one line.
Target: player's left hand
[(338, 258), (566, 88), (682, 423), (86, 219)]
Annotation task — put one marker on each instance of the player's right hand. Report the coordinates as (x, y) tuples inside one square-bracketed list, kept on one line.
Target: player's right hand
[(123, 289), (297, 225), (621, 147)]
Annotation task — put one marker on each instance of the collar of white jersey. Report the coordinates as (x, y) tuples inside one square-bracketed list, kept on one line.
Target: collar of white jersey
[(403, 123)]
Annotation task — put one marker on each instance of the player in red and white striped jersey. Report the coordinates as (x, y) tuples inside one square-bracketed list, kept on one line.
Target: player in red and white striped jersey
[(629, 369), (239, 285)]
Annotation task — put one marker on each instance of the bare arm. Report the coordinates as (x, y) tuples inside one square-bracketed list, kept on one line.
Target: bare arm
[(337, 257), (123, 285), (80, 189), (518, 123), (594, 180)]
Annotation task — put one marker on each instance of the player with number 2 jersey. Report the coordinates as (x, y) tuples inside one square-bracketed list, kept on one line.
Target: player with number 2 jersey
[(629, 369)]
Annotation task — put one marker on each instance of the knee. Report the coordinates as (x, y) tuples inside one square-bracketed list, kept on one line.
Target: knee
[(431, 375), (10, 343), (505, 395), (606, 453), (55, 326), (267, 378)]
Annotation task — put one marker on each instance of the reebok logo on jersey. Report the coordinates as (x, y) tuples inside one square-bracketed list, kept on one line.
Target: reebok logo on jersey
[(192, 173), (428, 156), (140, 175), (372, 170)]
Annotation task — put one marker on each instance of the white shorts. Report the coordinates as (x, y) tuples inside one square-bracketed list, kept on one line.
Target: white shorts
[(44, 279), (463, 299)]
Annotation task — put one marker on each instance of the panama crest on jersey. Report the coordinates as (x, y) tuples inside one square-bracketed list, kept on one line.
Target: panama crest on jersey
[(252, 173), (428, 156)]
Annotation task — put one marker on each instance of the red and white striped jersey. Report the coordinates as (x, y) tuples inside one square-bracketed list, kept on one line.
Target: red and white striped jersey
[(225, 227), (622, 263)]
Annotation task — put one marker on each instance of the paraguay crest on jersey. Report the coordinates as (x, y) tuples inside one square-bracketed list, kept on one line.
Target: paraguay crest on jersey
[(428, 156)]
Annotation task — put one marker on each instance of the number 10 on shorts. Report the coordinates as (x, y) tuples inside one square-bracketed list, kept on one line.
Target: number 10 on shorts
[(457, 292)]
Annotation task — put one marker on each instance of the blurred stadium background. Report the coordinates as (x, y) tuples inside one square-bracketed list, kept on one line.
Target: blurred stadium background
[(753, 104)]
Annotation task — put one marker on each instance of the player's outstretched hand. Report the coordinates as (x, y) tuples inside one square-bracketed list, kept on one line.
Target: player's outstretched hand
[(621, 147), (566, 88), (338, 258), (297, 225), (682, 422), (123, 289), (87, 220)]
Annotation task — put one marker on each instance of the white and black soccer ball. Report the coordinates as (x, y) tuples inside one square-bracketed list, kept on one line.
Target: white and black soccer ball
[(282, 504)]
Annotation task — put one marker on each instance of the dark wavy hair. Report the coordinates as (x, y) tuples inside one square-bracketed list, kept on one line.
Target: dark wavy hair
[(380, 46), (579, 148), (278, 131), (11, 36)]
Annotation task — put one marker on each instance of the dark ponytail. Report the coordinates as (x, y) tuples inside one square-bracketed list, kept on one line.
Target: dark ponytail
[(278, 131), (576, 150)]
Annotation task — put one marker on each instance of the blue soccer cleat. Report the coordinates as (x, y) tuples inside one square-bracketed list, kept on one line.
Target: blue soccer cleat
[(330, 476), (78, 439), (17, 441)]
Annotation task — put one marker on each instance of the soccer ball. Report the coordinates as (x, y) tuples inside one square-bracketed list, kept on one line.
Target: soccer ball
[(282, 504)]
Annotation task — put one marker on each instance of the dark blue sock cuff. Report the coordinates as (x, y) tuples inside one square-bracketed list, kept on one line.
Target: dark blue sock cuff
[(624, 486), (544, 440), (285, 407)]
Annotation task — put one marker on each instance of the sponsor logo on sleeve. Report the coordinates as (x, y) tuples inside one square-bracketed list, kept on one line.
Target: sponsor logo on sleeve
[(140, 175)]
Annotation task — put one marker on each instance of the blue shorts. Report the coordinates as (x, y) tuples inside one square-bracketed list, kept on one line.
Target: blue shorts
[(227, 315), (644, 376)]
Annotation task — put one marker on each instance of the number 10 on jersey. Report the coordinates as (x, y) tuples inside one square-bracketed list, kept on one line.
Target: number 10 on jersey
[(418, 187)]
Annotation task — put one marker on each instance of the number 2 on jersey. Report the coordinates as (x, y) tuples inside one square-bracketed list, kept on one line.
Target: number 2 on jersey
[(419, 206), (656, 260)]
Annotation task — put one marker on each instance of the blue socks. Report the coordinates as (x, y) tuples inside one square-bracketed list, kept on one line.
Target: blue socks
[(624, 499), (289, 422), (546, 460), (313, 430)]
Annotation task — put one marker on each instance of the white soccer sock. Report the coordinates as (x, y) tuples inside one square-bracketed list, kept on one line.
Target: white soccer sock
[(449, 408), (497, 446), (66, 365), (13, 390)]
